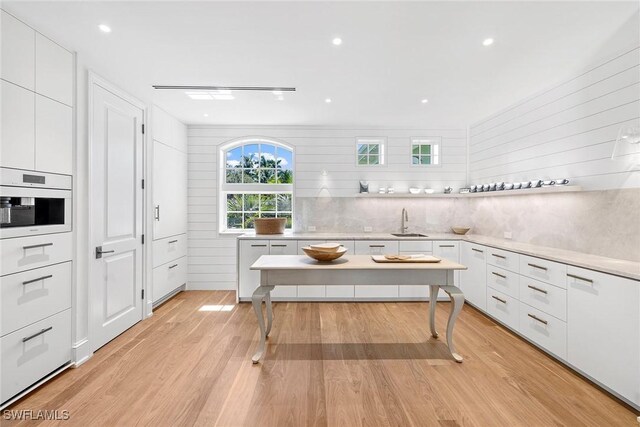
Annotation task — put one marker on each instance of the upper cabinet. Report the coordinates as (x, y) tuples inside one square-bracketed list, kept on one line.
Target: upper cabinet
[(54, 70), (37, 100), (168, 130), (18, 52)]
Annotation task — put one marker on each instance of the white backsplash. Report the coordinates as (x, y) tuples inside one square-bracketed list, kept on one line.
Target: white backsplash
[(604, 223)]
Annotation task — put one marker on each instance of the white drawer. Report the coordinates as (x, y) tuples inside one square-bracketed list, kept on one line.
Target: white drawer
[(503, 280), (503, 307), (543, 329), (283, 247), (32, 295), (340, 291), (543, 296), (25, 253), (168, 277), (504, 259), (376, 247), (165, 250), (27, 360), (378, 291), (543, 270), (310, 291), (415, 246)]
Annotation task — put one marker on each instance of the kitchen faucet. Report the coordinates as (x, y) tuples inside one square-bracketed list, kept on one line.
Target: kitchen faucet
[(405, 219)]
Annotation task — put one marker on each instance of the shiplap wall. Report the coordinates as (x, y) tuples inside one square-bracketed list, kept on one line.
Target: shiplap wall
[(567, 131), (212, 256)]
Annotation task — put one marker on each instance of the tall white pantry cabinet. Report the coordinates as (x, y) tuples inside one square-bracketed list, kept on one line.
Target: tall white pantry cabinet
[(169, 205), (36, 271)]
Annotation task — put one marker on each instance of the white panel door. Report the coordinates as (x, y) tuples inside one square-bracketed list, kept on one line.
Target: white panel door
[(54, 136), (473, 280), (116, 214), (18, 52), (18, 137)]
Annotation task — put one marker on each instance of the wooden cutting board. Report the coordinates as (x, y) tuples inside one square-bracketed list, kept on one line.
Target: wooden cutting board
[(426, 258)]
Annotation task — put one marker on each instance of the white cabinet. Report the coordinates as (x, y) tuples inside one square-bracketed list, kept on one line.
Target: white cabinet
[(54, 70), (504, 259), (18, 52), (503, 280), (543, 296), (53, 136), (343, 292), (473, 280), (544, 330), (284, 247), (543, 270), (604, 329), (165, 250), (503, 307), (249, 252), (373, 247), (169, 191), (310, 292), (34, 351), (18, 132), (169, 277), (168, 130)]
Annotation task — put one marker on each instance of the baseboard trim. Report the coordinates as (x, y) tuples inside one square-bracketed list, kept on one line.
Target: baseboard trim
[(81, 352)]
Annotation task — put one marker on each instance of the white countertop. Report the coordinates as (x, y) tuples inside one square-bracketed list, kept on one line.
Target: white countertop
[(348, 262), (618, 267)]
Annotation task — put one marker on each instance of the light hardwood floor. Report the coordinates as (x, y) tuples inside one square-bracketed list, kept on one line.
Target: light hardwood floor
[(327, 364)]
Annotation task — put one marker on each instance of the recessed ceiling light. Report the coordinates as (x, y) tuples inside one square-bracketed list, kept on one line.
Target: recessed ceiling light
[(104, 28), (487, 42), (206, 115), (337, 41), (280, 98), (424, 101), (328, 100)]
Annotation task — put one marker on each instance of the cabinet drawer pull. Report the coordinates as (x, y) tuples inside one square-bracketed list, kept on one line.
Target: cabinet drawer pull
[(41, 245), (537, 289), (536, 318), (377, 246), (30, 337), (499, 275), (173, 266), (258, 246), (447, 246), (537, 266), (477, 250), (278, 246), (37, 280), (498, 299), (173, 241), (573, 276), (499, 256)]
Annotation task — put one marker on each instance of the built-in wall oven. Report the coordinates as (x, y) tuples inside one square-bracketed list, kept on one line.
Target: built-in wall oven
[(34, 203)]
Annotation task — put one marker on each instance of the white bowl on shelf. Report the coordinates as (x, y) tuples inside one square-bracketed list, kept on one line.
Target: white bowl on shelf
[(413, 190), (429, 190)]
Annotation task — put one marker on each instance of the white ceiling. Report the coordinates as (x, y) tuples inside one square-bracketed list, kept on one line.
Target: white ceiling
[(394, 54)]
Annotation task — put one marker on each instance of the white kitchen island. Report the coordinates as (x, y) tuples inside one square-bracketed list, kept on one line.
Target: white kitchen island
[(300, 270)]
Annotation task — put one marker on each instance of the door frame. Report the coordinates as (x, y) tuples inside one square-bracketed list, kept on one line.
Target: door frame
[(94, 80)]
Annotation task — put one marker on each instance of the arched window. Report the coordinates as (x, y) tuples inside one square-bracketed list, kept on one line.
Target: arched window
[(257, 182)]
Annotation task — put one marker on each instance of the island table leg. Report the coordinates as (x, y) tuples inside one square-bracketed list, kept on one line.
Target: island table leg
[(433, 298), (457, 301), (261, 292)]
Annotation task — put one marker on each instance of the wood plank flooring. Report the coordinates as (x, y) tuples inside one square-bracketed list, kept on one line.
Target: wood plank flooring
[(327, 364)]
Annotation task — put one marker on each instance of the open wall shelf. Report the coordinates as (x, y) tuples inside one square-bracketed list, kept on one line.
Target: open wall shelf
[(500, 193)]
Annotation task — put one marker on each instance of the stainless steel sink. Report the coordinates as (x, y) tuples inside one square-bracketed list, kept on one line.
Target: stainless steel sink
[(409, 235)]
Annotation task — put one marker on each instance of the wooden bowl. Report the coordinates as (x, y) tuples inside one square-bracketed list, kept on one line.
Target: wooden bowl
[(270, 225), (461, 230), (324, 256)]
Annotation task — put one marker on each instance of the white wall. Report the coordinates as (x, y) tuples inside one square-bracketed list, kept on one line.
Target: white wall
[(212, 256), (567, 131)]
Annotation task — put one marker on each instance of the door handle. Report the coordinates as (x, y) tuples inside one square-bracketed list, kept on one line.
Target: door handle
[(157, 213), (99, 252)]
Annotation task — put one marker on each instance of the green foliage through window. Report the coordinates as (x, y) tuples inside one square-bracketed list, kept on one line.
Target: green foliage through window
[(244, 208)]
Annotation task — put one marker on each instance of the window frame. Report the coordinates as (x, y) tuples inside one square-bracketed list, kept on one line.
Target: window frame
[(225, 188), (372, 140), (426, 140)]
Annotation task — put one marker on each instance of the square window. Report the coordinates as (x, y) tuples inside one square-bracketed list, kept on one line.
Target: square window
[(250, 176), (369, 151), (251, 202), (234, 176), (284, 176), (234, 220), (284, 202), (425, 151)]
